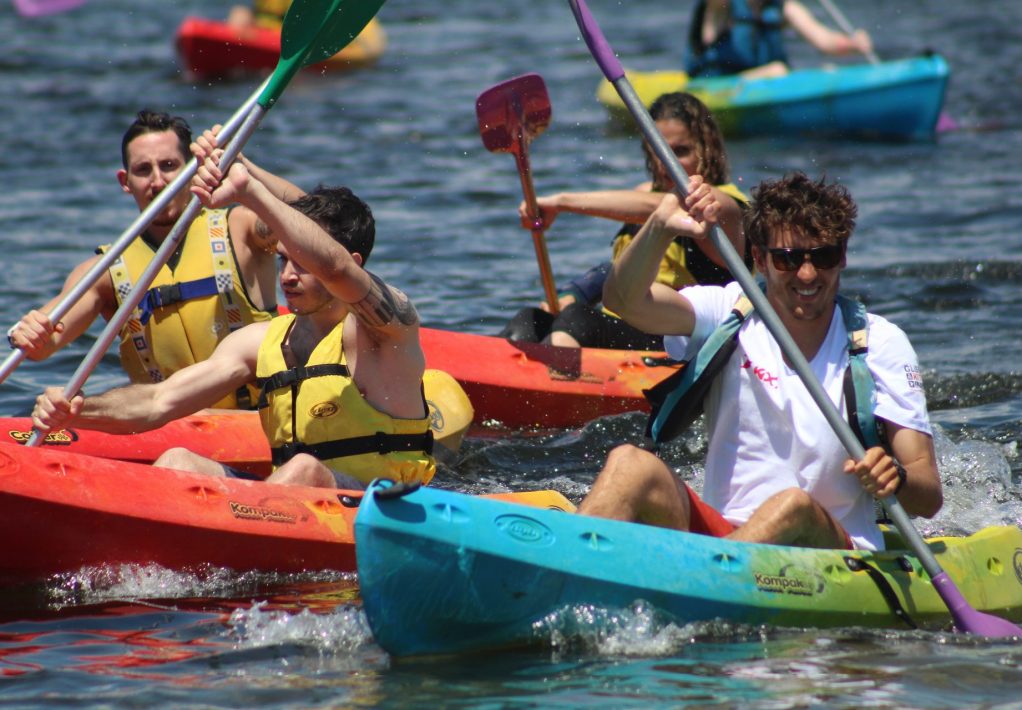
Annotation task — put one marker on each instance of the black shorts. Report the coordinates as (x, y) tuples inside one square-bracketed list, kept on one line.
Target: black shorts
[(590, 326), (231, 472)]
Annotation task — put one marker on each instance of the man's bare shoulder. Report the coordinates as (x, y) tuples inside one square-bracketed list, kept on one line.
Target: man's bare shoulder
[(102, 289), (243, 342), (247, 229)]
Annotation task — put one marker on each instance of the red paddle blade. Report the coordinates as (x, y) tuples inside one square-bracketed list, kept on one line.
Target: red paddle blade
[(512, 113)]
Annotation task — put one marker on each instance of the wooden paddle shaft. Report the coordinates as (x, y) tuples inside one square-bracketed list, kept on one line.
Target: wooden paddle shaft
[(546, 273)]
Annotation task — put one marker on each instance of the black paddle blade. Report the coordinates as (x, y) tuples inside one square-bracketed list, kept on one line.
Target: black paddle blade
[(512, 112)]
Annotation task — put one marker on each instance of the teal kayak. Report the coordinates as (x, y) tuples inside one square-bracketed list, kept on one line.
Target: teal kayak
[(441, 572), (896, 100)]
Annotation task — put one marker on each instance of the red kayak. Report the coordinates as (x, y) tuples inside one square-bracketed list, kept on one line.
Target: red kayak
[(233, 438), (213, 48), (509, 384), (520, 385), (62, 511)]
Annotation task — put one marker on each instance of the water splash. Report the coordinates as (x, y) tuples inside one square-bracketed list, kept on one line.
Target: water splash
[(132, 582), (344, 630), (978, 487)]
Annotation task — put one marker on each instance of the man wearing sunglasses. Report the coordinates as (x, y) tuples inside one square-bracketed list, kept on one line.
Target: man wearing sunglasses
[(775, 471)]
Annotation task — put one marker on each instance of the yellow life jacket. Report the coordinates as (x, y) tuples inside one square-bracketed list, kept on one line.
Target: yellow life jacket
[(270, 13), (675, 269), (317, 409), (189, 307)]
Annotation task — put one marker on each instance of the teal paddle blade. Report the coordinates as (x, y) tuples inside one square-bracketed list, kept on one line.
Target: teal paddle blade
[(313, 31), (346, 19)]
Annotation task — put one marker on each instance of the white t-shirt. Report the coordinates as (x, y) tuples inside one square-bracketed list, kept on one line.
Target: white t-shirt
[(766, 432)]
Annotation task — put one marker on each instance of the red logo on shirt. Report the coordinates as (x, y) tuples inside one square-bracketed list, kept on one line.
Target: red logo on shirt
[(765, 377)]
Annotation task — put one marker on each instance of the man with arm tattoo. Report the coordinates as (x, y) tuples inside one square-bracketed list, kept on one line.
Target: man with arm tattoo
[(340, 378)]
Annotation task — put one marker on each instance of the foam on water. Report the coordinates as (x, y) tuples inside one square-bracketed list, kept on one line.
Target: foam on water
[(978, 487), (344, 630), (108, 583)]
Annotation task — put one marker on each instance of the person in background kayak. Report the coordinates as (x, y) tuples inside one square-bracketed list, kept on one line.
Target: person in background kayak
[(745, 37), (261, 13), (221, 277), (693, 134), (775, 471), (341, 398)]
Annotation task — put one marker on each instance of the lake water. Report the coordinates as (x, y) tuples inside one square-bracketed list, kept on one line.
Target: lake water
[(937, 250)]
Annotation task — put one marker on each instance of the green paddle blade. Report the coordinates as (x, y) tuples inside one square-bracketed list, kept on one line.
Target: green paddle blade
[(313, 31)]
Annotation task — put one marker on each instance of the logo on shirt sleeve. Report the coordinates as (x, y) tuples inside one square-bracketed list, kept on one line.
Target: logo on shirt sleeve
[(913, 377)]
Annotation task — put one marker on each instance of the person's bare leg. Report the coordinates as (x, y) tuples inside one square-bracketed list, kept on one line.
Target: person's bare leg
[(771, 70), (792, 517), (303, 470), (636, 486), (561, 339), (182, 459)]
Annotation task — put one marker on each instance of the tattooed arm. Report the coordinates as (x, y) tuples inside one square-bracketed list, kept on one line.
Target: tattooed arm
[(385, 308)]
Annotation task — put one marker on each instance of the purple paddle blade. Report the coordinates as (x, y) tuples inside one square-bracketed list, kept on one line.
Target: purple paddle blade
[(37, 8)]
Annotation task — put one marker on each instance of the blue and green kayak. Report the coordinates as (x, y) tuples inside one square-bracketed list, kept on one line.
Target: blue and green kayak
[(895, 100), (441, 572)]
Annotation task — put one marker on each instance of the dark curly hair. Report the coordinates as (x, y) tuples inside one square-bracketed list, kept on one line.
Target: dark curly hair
[(343, 215), (711, 158), (825, 212)]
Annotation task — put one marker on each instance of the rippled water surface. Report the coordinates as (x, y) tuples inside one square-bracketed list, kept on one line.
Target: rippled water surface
[(937, 251)]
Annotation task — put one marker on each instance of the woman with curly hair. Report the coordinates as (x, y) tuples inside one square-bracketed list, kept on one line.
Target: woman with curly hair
[(692, 133)]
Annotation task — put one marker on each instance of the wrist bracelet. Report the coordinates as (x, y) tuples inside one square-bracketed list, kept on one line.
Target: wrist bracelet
[(902, 476)]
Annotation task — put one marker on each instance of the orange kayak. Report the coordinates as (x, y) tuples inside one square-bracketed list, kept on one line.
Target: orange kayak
[(214, 48), (62, 511), (509, 384), (521, 385), (233, 438)]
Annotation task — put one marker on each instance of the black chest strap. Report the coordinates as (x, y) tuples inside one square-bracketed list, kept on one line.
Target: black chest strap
[(286, 379), (379, 443)]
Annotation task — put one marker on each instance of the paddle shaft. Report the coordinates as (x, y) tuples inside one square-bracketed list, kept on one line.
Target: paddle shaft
[(138, 291), (964, 616), (846, 26), (144, 219), (538, 239)]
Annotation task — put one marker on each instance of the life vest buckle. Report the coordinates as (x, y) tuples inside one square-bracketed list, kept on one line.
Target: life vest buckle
[(157, 297)]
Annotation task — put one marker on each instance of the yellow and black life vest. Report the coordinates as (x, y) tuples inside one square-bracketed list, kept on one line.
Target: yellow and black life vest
[(190, 306), (317, 409), (684, 264)]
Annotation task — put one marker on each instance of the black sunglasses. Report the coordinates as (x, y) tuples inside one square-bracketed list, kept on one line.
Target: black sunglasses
[(821, 257)]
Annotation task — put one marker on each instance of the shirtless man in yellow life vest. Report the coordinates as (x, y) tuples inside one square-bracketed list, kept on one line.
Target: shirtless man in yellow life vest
[(341, 400), (222, 276)]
